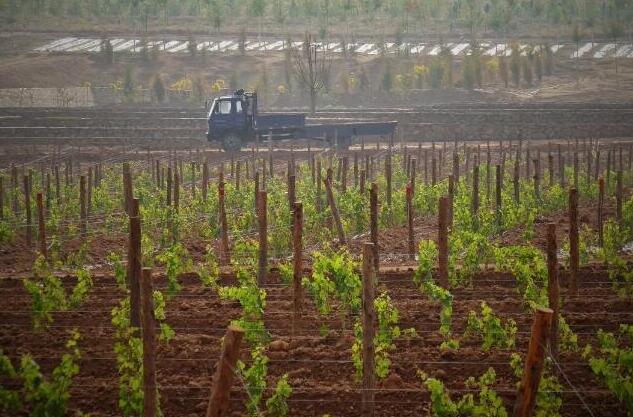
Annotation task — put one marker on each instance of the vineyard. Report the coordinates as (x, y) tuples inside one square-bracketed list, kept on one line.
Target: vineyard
[(146, 273)]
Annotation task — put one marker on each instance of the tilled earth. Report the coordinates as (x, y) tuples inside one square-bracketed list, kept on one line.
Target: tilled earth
[(318, 362)]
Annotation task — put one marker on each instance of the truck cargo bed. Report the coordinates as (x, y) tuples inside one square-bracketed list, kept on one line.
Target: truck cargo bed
[(264, 122)]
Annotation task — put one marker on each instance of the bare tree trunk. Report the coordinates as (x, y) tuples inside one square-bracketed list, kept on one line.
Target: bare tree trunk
[(313, 98)]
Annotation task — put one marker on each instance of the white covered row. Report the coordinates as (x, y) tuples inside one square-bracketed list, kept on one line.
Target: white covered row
[(73, 44)]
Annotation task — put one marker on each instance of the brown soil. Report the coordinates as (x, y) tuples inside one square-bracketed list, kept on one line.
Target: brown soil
[(47, 71), (319, 366)]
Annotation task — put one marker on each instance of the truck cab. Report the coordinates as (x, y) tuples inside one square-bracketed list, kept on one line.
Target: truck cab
[(230, 119)]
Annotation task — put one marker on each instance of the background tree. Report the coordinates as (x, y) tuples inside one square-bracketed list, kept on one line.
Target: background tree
[(215, 13), (163, 7), (436, 72), (538, 66), (446, 56), (257, 9), (548, 59), (128, 84), (158, 88), (527, 70), (576, 35), (363, 81), (615, 31), (474, 15), (107, 52), (311, 69), (192, 46), (288, 65), (503, 70), (515, 64), (241, 42), (387, 78)]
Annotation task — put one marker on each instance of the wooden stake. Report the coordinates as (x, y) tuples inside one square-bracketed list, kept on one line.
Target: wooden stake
[(426, 166), (608, 174), (344, 174), (388, 177), (517, 190), (563, 181), (127, 187), (527, 161), (526, 396), (297, 266), (58, 190), (82, 203), (537, 181), (263, 238), (618, 196), (89, 193), (14, 187), (226, 247), (362, 182), (476, 189), (575, 169), (176, 191), (553, 289), (451, 198), (1, 197), (159, 179), (550, 163), (573, 241), (318, 185), (561, 165), (601, 211), (224, 372), (27, 205), (257, 190), (413, 174), (48, 191), (409, 197), (455, 165), (41, 223), (333, 208), (134, 264), (488, 173), (169, 187), (442, 241), (369, 331), (498, 190), (589, 157), (373, 222), (150, 400), (355, 169), (291, 192), (205, 180)]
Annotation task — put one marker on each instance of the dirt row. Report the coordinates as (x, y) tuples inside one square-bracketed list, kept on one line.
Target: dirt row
[(474, 123), (319, 365)]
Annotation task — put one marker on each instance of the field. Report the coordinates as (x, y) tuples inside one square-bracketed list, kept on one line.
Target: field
[(433, 331)]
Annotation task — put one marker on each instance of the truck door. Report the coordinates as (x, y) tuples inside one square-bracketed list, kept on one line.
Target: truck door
[(239, 115), (222, 118)]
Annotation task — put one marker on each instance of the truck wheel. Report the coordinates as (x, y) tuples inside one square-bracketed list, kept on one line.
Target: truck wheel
[(232, 142)]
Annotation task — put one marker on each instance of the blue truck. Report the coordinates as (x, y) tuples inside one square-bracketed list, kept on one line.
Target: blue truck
[(233, 121)]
